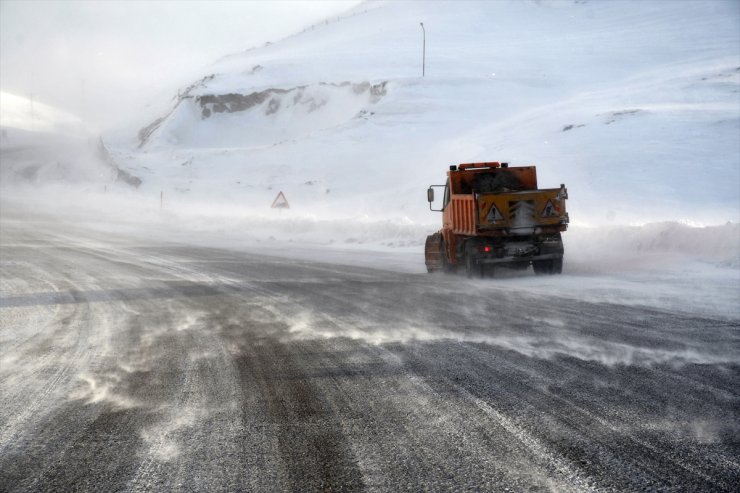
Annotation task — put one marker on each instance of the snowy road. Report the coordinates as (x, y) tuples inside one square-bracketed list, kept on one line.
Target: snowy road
[(131, 365)]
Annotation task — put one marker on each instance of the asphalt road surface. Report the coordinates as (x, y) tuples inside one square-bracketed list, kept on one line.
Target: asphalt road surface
[(130, 365)]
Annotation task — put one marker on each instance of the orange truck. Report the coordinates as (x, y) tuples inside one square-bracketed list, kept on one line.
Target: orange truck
[(493, 216)]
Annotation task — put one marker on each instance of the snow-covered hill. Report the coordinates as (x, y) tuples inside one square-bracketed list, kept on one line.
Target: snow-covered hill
[(634, 105), (43, 146)]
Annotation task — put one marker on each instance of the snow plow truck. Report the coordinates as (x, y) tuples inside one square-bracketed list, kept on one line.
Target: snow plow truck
[(494, 216)]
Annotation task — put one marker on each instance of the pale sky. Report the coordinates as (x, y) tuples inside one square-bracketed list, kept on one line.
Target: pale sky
[(101, 59)]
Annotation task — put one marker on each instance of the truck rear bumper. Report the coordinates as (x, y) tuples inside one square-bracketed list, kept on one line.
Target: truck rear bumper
[(526, 258)]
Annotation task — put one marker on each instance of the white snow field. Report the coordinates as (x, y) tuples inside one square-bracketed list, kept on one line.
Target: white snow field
[(635, 106)]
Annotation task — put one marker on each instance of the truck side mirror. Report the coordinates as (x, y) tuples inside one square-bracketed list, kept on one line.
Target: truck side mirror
[(430, 197)]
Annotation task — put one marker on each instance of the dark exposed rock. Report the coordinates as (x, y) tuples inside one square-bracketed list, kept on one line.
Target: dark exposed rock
[(121, 175), (211, 104), (377, 91), (572, 126), (616, 115), (146, 132), (272, 106), (233, 102), (230, 103)]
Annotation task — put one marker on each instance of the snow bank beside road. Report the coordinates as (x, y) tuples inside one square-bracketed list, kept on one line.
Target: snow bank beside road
[(654, 246)]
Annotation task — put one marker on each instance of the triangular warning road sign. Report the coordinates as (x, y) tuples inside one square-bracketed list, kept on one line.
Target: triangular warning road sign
[(280, 202)]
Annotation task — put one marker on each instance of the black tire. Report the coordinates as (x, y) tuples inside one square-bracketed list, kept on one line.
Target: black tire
[(496, 182), (434, 240), (548, 267), (472, 268), (431, 239), (446, 267)]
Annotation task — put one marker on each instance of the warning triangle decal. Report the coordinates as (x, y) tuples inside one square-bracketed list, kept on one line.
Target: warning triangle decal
[(549, 210), (280, 202), (494, 214)]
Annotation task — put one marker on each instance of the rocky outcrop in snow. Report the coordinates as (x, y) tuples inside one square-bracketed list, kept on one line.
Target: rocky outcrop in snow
[(293, 112)]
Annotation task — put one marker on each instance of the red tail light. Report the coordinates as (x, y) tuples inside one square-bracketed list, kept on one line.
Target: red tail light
[(487, 249)]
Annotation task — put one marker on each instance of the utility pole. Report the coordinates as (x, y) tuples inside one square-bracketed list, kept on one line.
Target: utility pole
[(423, 49), (33, 115), (82, 99)]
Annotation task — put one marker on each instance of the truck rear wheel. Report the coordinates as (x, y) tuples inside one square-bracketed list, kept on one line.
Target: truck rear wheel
[(472, 268), (548, 267)]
